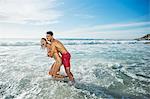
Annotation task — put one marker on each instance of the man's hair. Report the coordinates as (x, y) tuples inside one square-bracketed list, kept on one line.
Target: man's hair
[(50, 32)]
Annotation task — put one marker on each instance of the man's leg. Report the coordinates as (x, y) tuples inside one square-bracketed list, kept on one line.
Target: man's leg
[(69, 74)]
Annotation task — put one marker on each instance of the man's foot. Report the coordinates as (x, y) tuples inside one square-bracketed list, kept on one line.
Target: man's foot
[(66, 76), (71, 82)]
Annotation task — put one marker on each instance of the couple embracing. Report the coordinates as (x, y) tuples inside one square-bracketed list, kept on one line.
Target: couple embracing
[(56, 50)]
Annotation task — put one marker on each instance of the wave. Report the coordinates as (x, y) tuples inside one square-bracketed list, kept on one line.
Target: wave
[(18, 44), (70, 42)]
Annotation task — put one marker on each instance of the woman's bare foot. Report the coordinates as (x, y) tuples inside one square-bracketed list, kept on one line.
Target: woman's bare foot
[(50, 73), (59, 76)]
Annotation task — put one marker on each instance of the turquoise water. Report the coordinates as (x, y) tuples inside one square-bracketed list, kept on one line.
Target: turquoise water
[(102, 69)]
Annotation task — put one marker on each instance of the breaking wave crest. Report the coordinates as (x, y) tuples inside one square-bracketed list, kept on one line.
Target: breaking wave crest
[(71, 42)]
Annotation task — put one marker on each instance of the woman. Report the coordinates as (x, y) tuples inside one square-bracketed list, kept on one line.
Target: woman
[(55, 68)]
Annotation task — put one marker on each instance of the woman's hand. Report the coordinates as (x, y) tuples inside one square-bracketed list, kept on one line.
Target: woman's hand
[(48, 54)]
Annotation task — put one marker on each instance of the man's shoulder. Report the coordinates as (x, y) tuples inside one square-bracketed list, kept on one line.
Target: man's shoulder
[(55, 42)]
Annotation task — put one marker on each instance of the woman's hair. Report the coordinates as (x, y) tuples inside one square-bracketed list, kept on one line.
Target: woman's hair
[(45, 41)]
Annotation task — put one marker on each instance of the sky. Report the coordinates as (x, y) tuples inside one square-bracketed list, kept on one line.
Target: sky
[(100, 19)]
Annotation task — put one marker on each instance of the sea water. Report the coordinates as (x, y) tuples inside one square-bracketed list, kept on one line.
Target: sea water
[(102, 69)]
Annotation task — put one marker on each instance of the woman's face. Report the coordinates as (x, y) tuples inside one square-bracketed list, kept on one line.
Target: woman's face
[(43, 43)]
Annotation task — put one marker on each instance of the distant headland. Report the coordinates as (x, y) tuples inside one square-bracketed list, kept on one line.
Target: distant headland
[(146, 37)]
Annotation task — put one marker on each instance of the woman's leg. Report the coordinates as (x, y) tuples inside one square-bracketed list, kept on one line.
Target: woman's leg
[(56, 69), (57, 66), (52, 68)]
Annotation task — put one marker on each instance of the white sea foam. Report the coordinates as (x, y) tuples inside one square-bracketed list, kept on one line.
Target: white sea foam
[(107, 70)]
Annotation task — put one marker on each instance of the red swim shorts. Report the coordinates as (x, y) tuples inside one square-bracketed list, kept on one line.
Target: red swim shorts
[(66, 59)]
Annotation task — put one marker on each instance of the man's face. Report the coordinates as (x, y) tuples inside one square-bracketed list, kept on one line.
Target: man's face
[(48, 37)]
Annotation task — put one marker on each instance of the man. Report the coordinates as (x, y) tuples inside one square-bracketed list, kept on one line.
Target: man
[(55, 44)]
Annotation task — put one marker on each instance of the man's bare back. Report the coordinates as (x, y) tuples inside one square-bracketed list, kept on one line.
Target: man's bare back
[(55, 44)]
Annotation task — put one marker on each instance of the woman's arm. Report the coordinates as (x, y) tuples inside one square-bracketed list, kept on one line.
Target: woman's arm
[(48, 50), (48, 53)]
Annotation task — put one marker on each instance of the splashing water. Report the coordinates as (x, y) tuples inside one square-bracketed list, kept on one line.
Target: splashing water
[(101, 70)]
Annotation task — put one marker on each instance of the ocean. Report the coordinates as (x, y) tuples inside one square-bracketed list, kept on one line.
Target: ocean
[(102, 69)]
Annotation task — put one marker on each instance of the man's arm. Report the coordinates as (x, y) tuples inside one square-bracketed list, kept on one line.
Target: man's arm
[(51, 53)]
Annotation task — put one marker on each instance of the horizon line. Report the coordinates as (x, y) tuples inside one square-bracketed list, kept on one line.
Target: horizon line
[(78, 38)]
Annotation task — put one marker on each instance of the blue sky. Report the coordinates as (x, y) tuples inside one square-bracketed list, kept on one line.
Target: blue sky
[(104, 19)]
